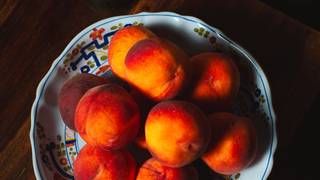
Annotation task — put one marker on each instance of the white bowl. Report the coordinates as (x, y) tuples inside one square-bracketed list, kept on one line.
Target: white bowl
[(55, 146)]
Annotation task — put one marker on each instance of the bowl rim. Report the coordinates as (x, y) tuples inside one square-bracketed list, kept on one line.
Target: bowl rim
[(244, 52)]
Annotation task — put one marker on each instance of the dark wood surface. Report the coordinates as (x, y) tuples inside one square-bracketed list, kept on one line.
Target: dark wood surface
[(34, 33)]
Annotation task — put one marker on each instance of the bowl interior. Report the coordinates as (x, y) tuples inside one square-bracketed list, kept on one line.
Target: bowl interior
[(55, 146)]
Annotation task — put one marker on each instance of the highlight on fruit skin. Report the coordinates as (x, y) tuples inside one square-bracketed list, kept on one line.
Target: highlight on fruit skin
[(154, 170), (107, 117), (71, 92), (216, 81), (233, 144), (120, 44), (95, 163), (177, 132), (158, 68)]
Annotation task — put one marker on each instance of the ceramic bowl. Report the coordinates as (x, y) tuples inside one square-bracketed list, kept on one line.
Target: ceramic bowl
[(55, 146)]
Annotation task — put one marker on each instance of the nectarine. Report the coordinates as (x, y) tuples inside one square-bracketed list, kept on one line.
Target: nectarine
[(233, 143), (177, 132), (71, 92), (120, 44), (96, 164), (158, 68), (216, 81), (107, 117), (154, 170)]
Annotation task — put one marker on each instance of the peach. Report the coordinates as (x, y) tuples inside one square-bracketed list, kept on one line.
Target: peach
[(154, 170), (120, 44), (177, 132), (94, 163), (158, 68), (216, 81), (71, 92), (233, 144), (107, 117)]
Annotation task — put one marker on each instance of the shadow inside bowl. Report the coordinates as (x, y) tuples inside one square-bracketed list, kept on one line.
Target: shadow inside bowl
[(250, 103), (263, 139)]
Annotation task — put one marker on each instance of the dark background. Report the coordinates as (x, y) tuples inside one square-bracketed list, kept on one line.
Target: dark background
[(302, 154), (306, 11)]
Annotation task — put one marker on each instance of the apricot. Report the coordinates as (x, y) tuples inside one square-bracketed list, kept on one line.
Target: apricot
[(71, 92), (120, 44), (158, 68), (233, 144), (154, 170), (216, 81), (107, 117), (94, 164), (177, 132)]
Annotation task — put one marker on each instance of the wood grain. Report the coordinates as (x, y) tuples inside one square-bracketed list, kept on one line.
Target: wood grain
[(31, 37), (6, 8), (15, 161), (34, 33)]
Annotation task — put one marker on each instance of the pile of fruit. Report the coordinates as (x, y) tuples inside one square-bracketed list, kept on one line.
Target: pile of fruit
[(176, 107)]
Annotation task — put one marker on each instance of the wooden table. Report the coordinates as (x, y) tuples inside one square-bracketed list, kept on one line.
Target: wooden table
[(34, 33)]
